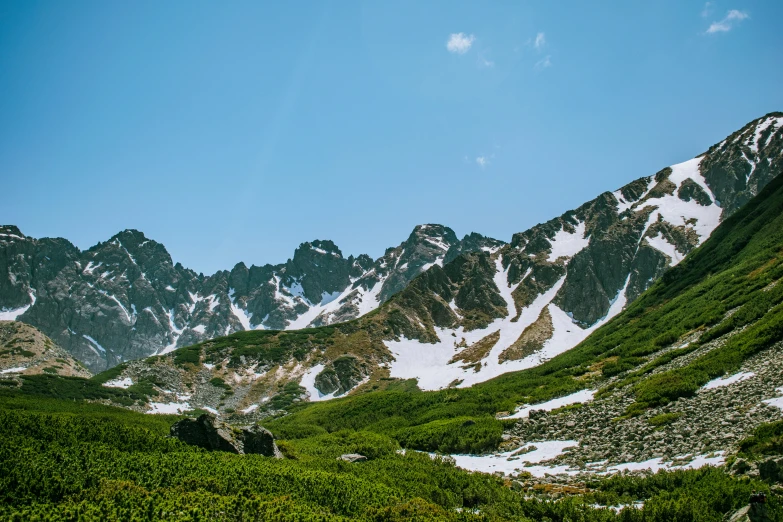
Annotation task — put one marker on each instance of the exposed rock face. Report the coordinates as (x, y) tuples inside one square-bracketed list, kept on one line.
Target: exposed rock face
[(742, 164), (125, 299), (340, 376), (209, 433)]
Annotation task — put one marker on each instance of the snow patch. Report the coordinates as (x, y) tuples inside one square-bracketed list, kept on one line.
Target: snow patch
[(11, 315), (308, 383), (567, 244), (18, 369), (717, 459), (578, 397), (169, 407), (725, 381), (776, 402), (511, 465), (125, 383), (93, 341), (661, 244)]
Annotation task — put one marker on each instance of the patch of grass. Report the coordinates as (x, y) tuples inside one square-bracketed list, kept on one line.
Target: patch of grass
[(663, 419)]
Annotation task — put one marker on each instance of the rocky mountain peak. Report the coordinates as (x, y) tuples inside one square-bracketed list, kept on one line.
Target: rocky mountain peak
[(437, 236), (10, 232)]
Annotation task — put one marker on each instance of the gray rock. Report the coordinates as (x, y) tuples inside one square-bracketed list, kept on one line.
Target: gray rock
[(352, 457), (210, 433)]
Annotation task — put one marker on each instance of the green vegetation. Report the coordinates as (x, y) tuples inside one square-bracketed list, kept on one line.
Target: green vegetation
[(767, 439), (76, 388), (664, 418), (65, 459)]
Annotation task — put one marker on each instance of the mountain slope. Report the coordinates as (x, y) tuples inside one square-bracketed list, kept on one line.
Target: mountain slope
[(554, 284), (678, 379), (24, 350), (125, 298), (479, 316)]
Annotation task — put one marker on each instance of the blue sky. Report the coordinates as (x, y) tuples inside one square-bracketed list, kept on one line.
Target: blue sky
[(235, 131)]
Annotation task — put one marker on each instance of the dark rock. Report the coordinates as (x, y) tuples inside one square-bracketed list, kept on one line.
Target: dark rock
[(210, 433), (771, 469), (340, 376)]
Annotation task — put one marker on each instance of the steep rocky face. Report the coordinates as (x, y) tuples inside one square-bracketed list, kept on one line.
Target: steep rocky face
[(739, 166), (125, 299)]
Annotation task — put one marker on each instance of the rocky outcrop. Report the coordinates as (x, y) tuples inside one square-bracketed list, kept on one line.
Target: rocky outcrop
[(340, 375), (24, 350), (352, 457), (208, 432), (769, 469), (755, 511)]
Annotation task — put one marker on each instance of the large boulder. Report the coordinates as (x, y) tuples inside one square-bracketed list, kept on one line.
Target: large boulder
[(208, 432)]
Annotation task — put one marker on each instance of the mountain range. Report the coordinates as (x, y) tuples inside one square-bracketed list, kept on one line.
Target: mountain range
[(515, 304), (492, 310)]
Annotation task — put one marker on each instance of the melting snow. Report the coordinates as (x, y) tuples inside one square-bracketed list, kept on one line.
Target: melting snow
[(200, 328), (11, 315), (574, 398), (127, 382), (169, 407), (777, 402), (725, 381), (93, 341), (429, 363), (365, 300), (662, 244), (308, 383), (17, 369), (438, 242), (566, 244), (239, 313), (107, 294), (90, 267), (544, 451), (249, 409), (658, 464), (676, 211)]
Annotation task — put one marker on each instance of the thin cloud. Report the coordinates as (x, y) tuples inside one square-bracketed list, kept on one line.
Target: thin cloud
[(732, 18), (483, 62), (482, 161), (707, 10), (540, 41), (544, 63), (460, 43)]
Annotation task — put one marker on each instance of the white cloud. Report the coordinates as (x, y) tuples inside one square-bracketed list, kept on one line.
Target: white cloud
[(736, 15), (707, 10), (544, 63), (460, 43), (482, 161), (540, 41), (723, 26)]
